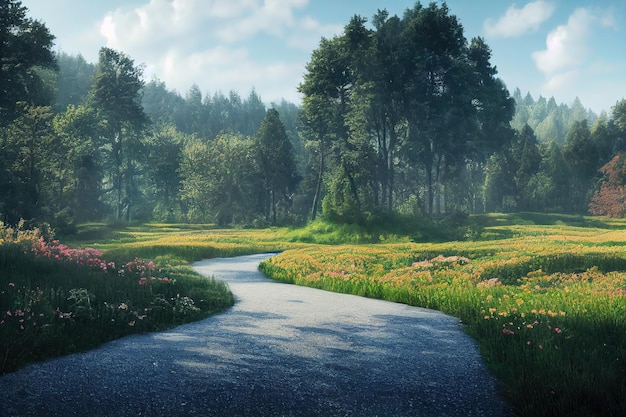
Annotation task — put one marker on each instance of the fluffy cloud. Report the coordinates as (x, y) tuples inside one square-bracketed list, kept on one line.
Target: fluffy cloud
[(566, 46), (569, 57), (516, 22), (215, 44)]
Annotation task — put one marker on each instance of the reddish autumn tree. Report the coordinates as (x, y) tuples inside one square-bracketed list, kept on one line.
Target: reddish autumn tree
[(609, 198)]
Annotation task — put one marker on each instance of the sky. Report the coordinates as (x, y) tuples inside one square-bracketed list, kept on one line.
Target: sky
[(554, 48)]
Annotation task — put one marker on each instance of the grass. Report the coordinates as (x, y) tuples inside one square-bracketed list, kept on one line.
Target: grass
[(546, 302), (543, 295)]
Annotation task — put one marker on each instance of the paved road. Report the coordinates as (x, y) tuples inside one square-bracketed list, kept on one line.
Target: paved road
[(282, 350)]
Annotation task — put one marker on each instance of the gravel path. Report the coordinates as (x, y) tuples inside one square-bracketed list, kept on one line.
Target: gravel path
[(282, 350)]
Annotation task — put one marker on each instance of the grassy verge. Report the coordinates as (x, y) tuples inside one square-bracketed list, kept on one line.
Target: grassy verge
[(543, 295), (56, 300), (547, 303)]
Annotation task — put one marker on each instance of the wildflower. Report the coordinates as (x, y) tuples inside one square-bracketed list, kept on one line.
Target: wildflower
[(143, 281), (492, 310), (557, 330), (131, 323), (529, 343), (11, 284), (8, 313), (123, 306), (508, 331), (540, 346)]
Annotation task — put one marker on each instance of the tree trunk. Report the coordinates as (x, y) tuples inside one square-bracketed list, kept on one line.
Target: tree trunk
[(318, 188)]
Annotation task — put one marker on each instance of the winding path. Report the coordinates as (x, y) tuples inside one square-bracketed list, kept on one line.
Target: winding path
[(282, 350)]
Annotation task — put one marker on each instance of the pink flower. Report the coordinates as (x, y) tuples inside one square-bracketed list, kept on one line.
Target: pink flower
[(143, 281), (9, 314), (540, 346), (11, 284), (556, 329), (507, 331), (131, 323)]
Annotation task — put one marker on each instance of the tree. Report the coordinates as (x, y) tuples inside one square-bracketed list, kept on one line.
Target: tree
[(525, 154), (220, 181), (275, 160), (31, 154), (407, 99), (325, 87), (164, 148), (26, 47), (499, 185), (115, 95), (558, 189), (609, 198), (581, 155), (78, 130)]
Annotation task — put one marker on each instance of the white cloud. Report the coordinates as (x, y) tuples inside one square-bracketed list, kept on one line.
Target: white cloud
[(571, 65), (566, 46), (516, 22), (223, 69), (215, 44)]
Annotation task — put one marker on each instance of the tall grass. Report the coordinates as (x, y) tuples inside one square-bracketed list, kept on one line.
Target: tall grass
[(56, 300), (546, 305)]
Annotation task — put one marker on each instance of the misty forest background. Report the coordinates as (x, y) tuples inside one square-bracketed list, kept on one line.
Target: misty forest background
[(402, 117)]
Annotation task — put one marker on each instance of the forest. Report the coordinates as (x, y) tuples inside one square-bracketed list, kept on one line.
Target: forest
[(401, 117)]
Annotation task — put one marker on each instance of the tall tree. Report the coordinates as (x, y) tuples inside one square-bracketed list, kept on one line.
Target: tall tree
[(164, 147), (581, 156), (31, 153), (78, 129), (220, 181), (527, 160), (26, 46), (325, 90), (115, 95), (276, 163)]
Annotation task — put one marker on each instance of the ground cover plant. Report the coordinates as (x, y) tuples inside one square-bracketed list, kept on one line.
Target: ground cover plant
[(56, 300), (545, 300)]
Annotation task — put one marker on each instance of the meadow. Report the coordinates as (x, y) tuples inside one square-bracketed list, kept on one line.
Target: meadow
[(544, 296), (545, 302)]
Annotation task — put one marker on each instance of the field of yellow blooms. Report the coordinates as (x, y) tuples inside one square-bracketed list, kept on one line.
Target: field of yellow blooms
[(546, 303)]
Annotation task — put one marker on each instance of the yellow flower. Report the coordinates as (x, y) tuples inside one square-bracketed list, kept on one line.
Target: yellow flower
[(492, 310)]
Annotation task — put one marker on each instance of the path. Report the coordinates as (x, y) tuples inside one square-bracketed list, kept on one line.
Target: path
[(282, 350)]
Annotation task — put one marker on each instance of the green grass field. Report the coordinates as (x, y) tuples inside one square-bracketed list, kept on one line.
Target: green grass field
[(543, 295)]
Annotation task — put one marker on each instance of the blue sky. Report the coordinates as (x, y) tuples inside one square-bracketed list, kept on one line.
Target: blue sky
[(560, 48)]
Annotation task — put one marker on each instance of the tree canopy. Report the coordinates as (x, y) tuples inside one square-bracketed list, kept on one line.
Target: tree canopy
[(26, 47)]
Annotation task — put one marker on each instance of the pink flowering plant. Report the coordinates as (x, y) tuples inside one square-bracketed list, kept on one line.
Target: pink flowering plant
[(55, 299)]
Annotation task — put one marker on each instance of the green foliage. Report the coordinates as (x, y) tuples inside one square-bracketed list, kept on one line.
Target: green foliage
[(26, 50), (276, 164), (57, 300)]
